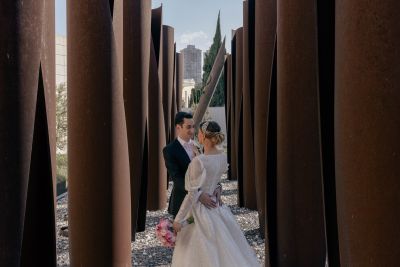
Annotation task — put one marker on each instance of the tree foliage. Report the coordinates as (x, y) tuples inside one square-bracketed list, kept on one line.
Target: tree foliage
[(61, 118), (195, 95), (61, 132), (209, 58)]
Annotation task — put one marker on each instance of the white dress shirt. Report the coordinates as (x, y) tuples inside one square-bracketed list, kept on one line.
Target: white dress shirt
[(188, 146)]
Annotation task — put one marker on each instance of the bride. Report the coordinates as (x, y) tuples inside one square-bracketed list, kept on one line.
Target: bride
[(215, 238)]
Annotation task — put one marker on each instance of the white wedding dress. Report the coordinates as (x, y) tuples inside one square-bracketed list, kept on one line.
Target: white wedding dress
[(215, 238)]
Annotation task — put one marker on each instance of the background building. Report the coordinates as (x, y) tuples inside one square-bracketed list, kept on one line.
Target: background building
[(61, 59), (188, 85), (192, 63)]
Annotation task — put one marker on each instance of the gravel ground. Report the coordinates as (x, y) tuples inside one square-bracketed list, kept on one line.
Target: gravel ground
[(146, 249)]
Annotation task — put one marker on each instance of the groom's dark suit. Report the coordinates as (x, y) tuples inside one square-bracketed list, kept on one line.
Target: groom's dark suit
[(177, 162)]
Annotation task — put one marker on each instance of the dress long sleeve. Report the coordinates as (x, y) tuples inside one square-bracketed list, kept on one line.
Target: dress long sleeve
[(194, 178)]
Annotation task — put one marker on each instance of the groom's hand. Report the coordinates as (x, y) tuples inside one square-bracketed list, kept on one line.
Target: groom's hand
[(206, 200)]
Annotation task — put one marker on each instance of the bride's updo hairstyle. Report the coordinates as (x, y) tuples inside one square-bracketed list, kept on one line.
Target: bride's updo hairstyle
[(212, 131)]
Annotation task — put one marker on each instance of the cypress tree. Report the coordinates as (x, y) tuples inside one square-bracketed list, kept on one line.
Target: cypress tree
[(209, 58)]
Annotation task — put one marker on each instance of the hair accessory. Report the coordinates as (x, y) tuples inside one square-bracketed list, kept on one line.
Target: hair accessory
[(205, 126)]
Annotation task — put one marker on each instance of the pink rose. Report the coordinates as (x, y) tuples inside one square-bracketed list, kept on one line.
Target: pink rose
[(164, 223), (168, 236), (164, 233)]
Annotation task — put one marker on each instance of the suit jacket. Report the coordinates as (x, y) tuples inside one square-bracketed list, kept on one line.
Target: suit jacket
[(177, 161)]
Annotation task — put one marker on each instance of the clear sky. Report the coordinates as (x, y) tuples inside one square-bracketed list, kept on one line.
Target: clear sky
[(194, 20), (61, 17)]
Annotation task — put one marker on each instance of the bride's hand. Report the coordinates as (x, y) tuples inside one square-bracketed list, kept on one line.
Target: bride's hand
[(177, 226)]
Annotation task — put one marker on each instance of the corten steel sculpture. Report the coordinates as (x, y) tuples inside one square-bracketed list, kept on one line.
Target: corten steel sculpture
[(174, 107), (210, 86), (99, 191), (228, 113), (271, 198), (179, 80), (233, 153), (367, 130), (326, 74), (300, 210), (157, 174), (251, 39), (249, 189), (239, 113), (265, 37), (168, 77), (27, 133), (136, 64)]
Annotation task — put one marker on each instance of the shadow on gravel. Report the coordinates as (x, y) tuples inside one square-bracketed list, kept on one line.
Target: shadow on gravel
[(152, 256), (250, 234), (229, 192), (237, 211)]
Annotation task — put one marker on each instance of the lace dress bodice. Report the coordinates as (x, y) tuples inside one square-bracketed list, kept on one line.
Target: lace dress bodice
[(214, 167), (203, 175)]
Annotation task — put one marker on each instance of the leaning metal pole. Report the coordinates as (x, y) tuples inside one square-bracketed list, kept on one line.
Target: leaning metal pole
[(99, 190), (211, 83)]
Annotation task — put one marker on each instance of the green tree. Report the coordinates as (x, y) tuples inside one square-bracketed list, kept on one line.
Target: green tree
[(195, 95), (209, 58), (61, 131), (61, 118)]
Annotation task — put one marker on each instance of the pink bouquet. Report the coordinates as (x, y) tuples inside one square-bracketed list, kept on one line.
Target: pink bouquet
[(165, 233)]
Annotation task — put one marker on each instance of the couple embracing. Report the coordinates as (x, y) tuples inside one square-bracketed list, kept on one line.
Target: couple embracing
[(215, 238)]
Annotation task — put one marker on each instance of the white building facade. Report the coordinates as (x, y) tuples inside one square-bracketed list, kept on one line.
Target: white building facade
[(61, 60), (188, 85)]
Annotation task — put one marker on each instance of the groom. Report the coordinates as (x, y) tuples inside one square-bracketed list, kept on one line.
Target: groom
[(177, 156)]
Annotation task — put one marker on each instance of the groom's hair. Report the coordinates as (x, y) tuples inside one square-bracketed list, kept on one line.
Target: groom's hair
[(180, 116)]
